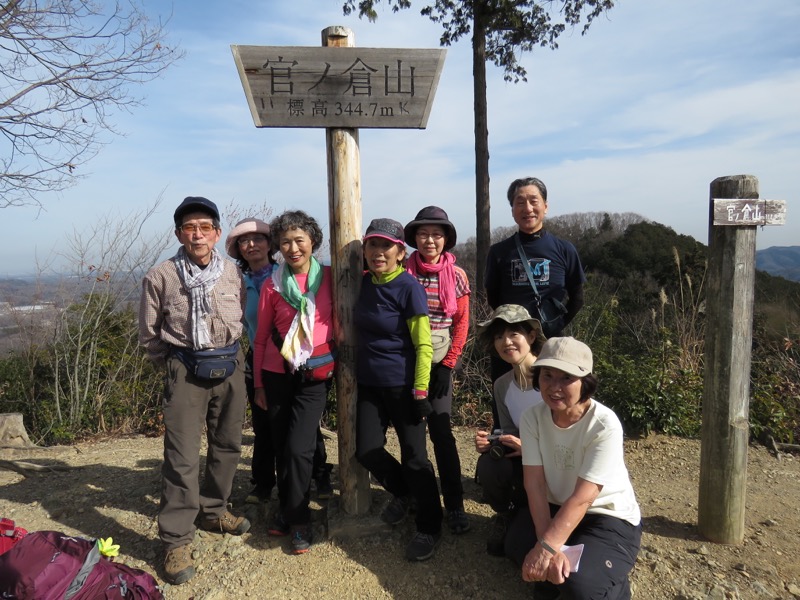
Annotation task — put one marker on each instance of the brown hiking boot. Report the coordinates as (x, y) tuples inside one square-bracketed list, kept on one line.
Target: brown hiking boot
[(178, 565), (226, 523)]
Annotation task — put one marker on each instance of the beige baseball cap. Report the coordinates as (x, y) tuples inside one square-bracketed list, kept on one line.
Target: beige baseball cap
[(566, 354)]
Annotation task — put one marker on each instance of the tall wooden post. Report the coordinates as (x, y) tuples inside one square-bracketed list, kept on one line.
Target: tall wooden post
[(344, 206), (726, 385)]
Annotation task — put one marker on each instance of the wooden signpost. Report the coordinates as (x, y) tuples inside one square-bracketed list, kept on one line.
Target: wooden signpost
[(735, 212), (342, 89)]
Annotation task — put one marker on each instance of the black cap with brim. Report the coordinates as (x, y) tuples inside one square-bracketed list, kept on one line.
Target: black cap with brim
[(195, 204)]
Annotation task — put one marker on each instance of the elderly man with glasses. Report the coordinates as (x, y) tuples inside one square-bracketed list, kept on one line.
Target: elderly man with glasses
[(190, 321)]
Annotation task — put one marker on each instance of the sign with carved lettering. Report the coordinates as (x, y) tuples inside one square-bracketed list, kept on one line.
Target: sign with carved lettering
[(749, 212), (298, 86)]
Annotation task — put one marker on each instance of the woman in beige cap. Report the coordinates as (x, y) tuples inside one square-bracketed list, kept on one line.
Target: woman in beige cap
[(582, 511)]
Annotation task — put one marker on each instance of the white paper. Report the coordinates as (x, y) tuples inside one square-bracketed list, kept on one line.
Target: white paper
[(573, 553)]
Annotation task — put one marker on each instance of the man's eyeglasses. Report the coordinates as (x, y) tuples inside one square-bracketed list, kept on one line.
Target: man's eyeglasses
[(246, 241), (424, 235), (204, 228)]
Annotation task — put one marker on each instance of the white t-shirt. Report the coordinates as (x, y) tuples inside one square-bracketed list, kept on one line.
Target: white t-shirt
[(591, 449)]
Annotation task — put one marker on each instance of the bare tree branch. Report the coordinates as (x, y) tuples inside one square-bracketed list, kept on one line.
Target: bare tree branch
[(65, 67)]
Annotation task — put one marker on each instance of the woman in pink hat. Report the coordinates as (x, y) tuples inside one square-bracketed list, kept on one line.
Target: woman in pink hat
[(393, 370), (248, 244), (447, 291)]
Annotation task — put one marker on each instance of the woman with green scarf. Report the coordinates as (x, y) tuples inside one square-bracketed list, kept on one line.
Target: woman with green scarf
[(295, 316)]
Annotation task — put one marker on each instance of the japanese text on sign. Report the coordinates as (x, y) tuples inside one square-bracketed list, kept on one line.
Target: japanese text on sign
[(742, 212), (338, 87)]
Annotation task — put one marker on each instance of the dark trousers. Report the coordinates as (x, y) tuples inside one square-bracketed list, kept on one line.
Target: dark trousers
[(609, 553), (501, 482), (190, 405), (448, 462), (295, 408), (319, 466), (262, 467), (378, 407)]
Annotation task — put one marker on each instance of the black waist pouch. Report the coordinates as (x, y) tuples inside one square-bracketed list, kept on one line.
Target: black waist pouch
[(218, 363)]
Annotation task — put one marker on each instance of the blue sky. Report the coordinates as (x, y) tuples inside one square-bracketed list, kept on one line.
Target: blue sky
[(639, 115)]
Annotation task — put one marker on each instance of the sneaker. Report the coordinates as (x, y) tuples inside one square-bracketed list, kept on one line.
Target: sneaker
[(396, 511), (258, 495), (301, 539), (178, 565), (495, 545), (278, 527), (324, 487), (458, 522), (226, 523), (421, 547)]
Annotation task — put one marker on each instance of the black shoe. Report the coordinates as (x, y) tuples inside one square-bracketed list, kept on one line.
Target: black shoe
[(495, 545), (422, 546), (458, 522), (258, 495), (301, 539), (396, 511), (278, 527), (324, 487)]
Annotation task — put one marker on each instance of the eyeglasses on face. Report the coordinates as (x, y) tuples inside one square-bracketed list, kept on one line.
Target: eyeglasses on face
[(424, 235), (204, 228), (254, 239)]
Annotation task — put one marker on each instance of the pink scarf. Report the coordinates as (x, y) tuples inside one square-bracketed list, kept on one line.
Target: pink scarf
[(447, 277)]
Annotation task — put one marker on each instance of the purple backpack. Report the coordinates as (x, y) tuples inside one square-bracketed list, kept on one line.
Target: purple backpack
[(49, 565)]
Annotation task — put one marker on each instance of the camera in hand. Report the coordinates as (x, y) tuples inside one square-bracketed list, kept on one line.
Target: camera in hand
[(496, 449)]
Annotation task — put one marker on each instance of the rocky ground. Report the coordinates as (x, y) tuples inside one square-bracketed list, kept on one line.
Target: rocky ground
[(112, 489)]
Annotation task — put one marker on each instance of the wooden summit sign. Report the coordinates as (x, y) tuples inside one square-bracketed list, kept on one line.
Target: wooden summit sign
[(298, 86)]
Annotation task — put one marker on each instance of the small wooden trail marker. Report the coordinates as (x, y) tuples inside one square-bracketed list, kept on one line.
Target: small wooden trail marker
[(735, 212)]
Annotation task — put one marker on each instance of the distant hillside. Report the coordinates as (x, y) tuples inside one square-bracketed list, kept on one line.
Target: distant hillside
[(781, 261)]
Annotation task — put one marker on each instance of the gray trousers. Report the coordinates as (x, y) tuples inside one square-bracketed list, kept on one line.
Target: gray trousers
[(190, 404)]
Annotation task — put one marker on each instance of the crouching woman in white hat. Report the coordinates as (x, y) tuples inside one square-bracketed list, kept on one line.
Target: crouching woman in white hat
[(579, 492)]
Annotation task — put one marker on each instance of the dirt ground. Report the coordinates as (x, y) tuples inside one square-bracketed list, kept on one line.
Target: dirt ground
[(112, 489)]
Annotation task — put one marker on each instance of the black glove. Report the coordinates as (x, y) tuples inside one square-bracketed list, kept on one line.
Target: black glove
[(440, 381), (421, 408)]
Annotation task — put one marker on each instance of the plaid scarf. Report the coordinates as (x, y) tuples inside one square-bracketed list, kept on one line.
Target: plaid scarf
[(199, 283)]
